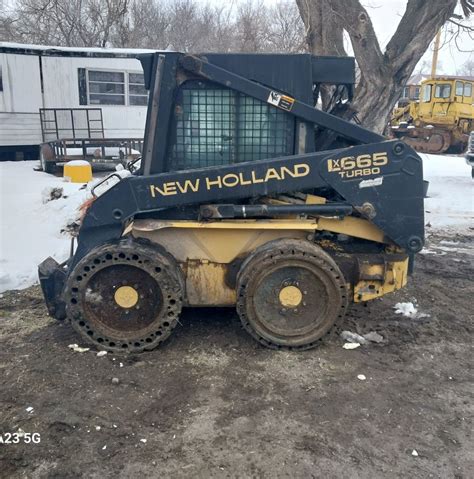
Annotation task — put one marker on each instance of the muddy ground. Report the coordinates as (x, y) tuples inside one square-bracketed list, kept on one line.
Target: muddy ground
[(213, 403)]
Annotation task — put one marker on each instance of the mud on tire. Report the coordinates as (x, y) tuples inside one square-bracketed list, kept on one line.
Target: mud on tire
[(125, 296), (289, 294)]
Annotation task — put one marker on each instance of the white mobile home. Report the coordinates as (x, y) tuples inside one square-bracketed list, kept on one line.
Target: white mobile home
[(34, 77)]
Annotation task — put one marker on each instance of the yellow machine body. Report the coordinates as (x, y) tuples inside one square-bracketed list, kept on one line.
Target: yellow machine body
[(209, 253)]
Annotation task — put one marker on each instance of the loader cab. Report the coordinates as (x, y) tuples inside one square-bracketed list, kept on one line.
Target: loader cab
[(464, 92), (436, 91), (198, 123), (212, 126), (447, 90), (446, 99)]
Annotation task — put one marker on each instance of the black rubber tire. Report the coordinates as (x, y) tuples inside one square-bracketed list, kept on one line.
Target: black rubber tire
[(100, 320), (308, 266)]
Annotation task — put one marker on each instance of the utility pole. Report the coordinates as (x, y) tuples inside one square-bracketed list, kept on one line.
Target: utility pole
[(434, 61)]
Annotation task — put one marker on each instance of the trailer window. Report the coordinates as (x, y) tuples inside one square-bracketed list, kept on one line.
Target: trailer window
[(417, 93), (459, 88), (106, 88), (467, 89), (217, 126), (1, 79), (443, 91), (427, 93), (137, 94)]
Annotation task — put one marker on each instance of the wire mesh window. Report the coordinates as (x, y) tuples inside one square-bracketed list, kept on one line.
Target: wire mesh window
[(217, 126)]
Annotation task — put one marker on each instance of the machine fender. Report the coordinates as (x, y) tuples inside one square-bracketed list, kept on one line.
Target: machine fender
[(385, 184)]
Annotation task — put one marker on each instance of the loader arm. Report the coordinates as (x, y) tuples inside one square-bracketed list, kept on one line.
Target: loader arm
[(394, 204)]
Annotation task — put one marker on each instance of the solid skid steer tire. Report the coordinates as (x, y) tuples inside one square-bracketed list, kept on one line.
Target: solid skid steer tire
[(125, 296), (290, 293)]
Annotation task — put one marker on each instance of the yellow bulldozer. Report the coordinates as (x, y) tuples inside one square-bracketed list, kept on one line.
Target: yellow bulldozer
[(441, 120)]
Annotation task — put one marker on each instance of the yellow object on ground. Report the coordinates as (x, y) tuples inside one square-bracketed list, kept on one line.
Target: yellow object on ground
[(78, 171)]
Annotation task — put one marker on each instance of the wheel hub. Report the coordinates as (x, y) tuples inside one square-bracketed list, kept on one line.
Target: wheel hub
[(126, 297), (290, 296)]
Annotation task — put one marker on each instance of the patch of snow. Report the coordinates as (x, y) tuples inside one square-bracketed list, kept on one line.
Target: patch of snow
[(351, 345), (77, 349), (414, 453), (30, 229), (450, 203), (101, 353), (78, 162), (407, 309), (85, 50), (361, 377), (427, 251)]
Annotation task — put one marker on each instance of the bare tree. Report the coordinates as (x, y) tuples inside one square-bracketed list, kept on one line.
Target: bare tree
[(382, 73), (184, 25), (286, 31), (467, 68), (67, 22), (251, 27)]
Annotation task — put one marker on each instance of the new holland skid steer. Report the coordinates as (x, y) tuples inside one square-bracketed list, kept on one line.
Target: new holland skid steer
[(247, 196)]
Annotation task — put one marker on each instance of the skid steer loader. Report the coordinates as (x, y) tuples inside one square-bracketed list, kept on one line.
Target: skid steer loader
[(247, 196)]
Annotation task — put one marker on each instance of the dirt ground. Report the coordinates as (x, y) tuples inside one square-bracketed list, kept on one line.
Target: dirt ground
[(213, 403)]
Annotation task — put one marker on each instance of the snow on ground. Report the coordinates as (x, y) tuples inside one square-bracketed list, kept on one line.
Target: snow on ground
[(450, 203), (407, 309), (31, 230)]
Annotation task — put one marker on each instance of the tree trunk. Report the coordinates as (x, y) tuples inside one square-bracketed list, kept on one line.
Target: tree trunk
[(382, 74)]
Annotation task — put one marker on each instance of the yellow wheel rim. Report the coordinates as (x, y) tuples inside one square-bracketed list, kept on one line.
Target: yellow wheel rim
[(290, 296), (126, 297)]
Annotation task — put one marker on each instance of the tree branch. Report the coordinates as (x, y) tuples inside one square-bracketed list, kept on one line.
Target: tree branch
[(356, 21), (416, 30)]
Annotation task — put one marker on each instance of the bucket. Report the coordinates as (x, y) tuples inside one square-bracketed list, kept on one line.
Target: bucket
[(78, 171)]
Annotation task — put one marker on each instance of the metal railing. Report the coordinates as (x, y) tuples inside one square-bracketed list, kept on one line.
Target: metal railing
[(98, 150), (57, 123)]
